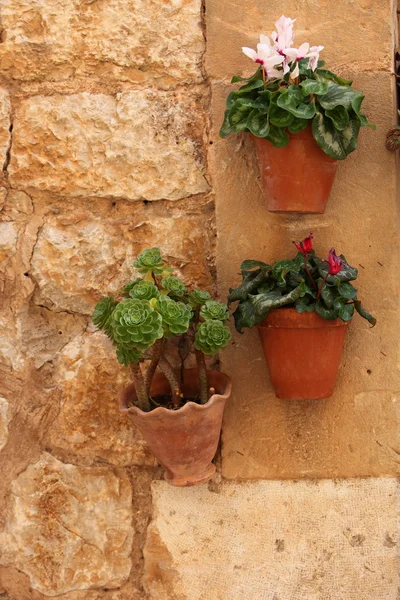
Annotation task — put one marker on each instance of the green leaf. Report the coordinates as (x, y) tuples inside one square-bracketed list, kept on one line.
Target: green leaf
[(328, 293), (263, 303), (336, 144), (346, 312), (245, 316), (291, 99), (339, 117), (347, 273), (247, 265), (303, 305), (332, 77), (279, 116), (298, 125), (249, 87), (330, 314), (258, 123), (226, 127), (280, 269), (256, 75), (341, 95), (278, 137), (364, 313), (251, 281), (238, 115), (311, 86), (346, 290)]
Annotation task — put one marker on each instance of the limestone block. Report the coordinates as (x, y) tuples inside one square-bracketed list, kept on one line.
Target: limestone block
[(357, 36), (5, 122), (128, 40), (4, 418), (89, 423), (137, 145), (69, 528), (80, 256), (274, 540)]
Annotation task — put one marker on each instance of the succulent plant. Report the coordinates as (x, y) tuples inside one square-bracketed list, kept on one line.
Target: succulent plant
[(150, 261), (198, 297), (212, 336), (393, 139), (127, 287), (102, 314), (144, 290), (174, 286), (213, 310), (136, 323), (176, 316), (128, 356)]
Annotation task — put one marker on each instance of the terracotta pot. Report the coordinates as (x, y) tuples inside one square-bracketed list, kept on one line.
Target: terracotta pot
[(185, 440), (303, 353), (297, 178)]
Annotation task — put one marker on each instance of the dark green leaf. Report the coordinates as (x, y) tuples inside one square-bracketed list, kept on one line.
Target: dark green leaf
[(256, 75), (304, 305), (251, 281), (328, 293), (291, 99), (278, 137), (341, 95), (363, 313), (247, 265), (279, 116), (311, 86), (280, 269), (332, 77), (326, 313), (258, 123), (346, 290), (298, 125), (238, 115), (226, 128), (249, 87), (263, 303), (346, 312), (336, 144), (339, 117), (245, 316)]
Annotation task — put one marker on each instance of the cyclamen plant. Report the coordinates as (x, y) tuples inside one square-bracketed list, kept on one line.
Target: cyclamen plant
[(153, 309), (291, 90), (306, 282)]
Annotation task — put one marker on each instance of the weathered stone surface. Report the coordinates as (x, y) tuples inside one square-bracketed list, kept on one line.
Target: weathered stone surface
[(137, 145), (69, 528), (356, 432), (5, 109), (231, 25), (122, 40), (81, 254), (303, 540), (89, 423), (4, 418)]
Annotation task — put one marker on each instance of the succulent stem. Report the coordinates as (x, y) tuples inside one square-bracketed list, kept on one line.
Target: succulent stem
[(151, 369), (202, 371), (141, 394), (173, 380)]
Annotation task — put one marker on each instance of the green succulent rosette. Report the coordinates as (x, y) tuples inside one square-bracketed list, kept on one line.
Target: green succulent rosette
[(150, 260), (102, 315), (198, 297), (144, 290), (174, 286), (212, 336), (135, 323), (128, 356), (131, 284), (176, 316), (213, 310)]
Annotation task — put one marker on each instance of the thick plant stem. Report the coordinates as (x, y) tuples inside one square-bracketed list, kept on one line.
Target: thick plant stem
[(141, 394), (151, 369), (173, 380), (202, 370)]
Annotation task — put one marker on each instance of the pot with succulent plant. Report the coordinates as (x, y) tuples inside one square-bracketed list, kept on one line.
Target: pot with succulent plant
[(179, 415), (302, 117), (301, 308)]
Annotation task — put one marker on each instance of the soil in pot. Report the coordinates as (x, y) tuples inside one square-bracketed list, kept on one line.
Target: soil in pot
[(298, 177), (184, 440), (303, 353)]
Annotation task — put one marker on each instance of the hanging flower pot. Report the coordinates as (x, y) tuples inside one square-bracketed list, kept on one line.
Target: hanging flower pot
[(303, 353), (185, 440), (179, 417), (301, 307), (303, 119), (298, 177)]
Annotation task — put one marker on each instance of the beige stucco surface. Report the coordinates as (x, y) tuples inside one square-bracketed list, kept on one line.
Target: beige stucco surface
[(356, 432), (274, 540)]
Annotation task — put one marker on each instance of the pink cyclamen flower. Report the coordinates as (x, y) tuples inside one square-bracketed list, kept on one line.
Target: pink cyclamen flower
[(335, 263), (305, 51), (283, 37), (267, 56), (305, 246)]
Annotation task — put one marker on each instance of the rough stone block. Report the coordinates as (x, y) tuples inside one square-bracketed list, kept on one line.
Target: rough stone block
[(139, 145), (69, 528), (275, 540)]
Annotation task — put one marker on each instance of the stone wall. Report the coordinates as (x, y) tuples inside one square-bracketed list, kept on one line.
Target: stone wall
[(109, 118)]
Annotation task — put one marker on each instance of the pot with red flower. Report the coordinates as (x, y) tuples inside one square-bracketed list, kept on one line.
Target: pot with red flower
[(301, 307), (302, 118)]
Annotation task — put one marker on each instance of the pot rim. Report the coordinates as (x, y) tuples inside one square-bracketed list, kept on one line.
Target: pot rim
[(289, 318), (189, 406)]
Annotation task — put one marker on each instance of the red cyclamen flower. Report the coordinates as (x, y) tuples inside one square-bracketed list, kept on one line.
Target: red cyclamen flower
[(335, 263), (306, 245)]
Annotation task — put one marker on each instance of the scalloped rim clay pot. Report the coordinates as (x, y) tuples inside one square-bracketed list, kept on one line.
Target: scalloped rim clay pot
[(303, 353), (185, 440), (298, 177)]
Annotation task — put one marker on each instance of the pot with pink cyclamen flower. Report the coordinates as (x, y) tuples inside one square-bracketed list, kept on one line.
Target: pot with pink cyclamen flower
[(302, 118), (301, 307), (179, 413)]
